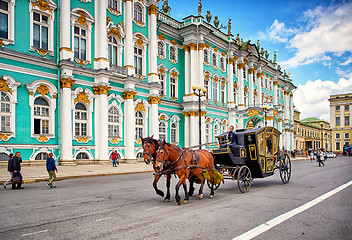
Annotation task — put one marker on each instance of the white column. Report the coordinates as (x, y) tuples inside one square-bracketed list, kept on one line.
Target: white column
[(153, 44), (231, 101), (154, 112), (187, 70), (66, 118), (282, 133), (128, 38), (100, 58), (193, 128), (251, 86), (193, 65), (240, 67), (129, 124), (275, 91), (65, 30), (259, 84), (200, 64)]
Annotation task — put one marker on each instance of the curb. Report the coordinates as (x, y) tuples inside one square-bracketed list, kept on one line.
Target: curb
[(32, 180)]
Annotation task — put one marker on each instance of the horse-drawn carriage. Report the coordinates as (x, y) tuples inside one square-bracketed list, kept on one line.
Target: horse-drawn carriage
[(255, 155)]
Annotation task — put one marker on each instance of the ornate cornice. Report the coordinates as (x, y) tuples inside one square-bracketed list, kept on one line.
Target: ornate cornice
[(67, 82), (154, 100), (129, 94), (98, 90)]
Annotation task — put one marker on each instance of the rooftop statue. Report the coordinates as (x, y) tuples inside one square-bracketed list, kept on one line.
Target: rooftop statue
[(216, 22), (274, 57), (229, 27), (200, 7), (208, 17), (166, 8)]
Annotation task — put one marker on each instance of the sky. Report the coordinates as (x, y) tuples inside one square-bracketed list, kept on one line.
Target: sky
[(312, 38)]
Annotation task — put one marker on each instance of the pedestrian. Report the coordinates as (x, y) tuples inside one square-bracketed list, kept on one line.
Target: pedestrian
[(320, 158), (14, 166), (10, 180), (51, 168), (117, 158), (114, 156), (311, 156)]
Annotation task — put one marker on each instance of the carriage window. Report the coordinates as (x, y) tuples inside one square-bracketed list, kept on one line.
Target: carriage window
[(269, 144), (275, 144), (260, 143)]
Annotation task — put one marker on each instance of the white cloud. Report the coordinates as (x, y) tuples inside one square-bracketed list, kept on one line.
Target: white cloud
[(328, 30), (277, 33), (311, 99), (347, 62)]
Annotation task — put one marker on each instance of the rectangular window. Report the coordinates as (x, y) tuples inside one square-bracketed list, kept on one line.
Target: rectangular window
[(337, 108), (5, 107), (4, 22), (77, 129), (40, 31), (347, 108), (337, 146), (337, 135), (36, 126), (172, 87), (215, 92), (338, 121), (80, 42), (45, 126), (5, 124), (347, 135), (347, 121), (138, 60), (113, 131)]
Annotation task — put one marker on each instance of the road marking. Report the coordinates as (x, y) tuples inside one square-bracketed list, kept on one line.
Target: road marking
[(283, 217), (151, 208), (28, 234), (102, 219)]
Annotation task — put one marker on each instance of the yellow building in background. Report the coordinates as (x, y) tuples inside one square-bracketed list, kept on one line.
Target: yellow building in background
[(340, 119)]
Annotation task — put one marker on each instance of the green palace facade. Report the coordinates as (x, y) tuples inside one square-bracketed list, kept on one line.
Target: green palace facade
[(81, 78)]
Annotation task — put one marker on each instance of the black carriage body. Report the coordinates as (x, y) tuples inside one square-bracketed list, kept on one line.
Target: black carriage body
[(257, 148)]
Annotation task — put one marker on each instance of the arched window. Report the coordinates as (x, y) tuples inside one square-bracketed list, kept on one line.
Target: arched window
[(162, 131), (223, 128), (216, 132), (214, 60), (206, 86), (140, 155), (173, 53), (5, 112), (41, 116), (206, 56), (139, 124), (114, 4), (162, 83), (138, 12), (222, 63), (207, 133), (222, 93), (215, 91), (82, 155), (112, 51), (41, 156), (173, 133), (161, 49), (81, 120), (114, 123)]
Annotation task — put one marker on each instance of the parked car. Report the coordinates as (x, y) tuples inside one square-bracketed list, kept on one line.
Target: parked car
[(331, 155)]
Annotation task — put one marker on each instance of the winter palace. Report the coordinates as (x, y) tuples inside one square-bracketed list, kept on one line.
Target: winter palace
[(81, 78)]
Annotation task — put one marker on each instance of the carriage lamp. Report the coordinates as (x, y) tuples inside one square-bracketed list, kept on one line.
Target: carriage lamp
[(199, 94)]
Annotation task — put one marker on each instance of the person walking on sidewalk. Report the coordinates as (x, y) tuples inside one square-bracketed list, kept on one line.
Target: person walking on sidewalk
[(320, 157), (14, 167), (10, 180), (51, 168), (114, 157)]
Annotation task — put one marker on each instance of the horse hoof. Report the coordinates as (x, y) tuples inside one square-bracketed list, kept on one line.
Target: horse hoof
[(185, 201), (200, 196), (166, 200), (211, 196), (179, 203)]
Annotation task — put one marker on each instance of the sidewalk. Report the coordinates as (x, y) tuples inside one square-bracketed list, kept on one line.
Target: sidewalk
[(39, 173)]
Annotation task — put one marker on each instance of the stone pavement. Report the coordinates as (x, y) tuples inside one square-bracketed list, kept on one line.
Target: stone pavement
[(39, 173)]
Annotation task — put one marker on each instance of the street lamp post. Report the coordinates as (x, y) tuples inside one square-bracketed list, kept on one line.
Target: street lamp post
[(265, 109), (199, 92)]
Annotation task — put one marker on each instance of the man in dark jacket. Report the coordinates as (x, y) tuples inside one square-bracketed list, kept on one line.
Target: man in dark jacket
[(231, 136), (51, 168), (14, 166)]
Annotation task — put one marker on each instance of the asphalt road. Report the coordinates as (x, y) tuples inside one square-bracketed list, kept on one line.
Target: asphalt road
[(126, 207)]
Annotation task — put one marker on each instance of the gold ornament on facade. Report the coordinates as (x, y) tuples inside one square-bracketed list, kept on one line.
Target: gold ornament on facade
[(98, 90), (82, 140), (207, 77), (161, 70), (253, 113), (65, 49), (251, 70), (139, 107), (173, 41), (114, 31), (4, 86), (162, 117), (42, 5), (201, 46), (82, 19), (114, 12), (154, 100), (30, 93), (108, 19), (193, 113), (186, 48), (203, 113), (152, 9), (42, 139), (2, 43), (286, 92), (173, 61), (223, 54), (216, 79), (43, 89), (186, 114), (216, 49), (246, 89), (192, 46), (82, 97), (41, 52), (240, 65), (275, 112), (54, 96), (114, 141), (81, 62), (235, 85), (223, 82), (207, 45), (139, 41), (174, 74), (67, 82), (250, 124), (4, 137), (275, 83), (255, 92), (161, 37), (260, 75), (129, 94)]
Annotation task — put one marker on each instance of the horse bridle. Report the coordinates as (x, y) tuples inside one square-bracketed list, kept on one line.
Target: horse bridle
[(165, 150), (151, 158)]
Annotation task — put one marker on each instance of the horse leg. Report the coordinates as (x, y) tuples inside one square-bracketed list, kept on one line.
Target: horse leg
[(200, 195), (158, 191), (178, 185), (211, 173), (168, 181), (191, 188), (186, 193)]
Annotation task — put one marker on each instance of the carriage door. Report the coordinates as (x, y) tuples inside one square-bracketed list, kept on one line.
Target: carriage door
[(266, 152)]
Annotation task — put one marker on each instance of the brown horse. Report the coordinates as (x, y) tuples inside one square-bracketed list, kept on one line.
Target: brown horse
[(186, 164), (150, 146)]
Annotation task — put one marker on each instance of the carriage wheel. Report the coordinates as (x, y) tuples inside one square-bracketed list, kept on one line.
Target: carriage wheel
[(244, 179), (216, 186), (285, 169)]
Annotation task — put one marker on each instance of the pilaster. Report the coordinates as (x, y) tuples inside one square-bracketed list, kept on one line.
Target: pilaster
[(65, 31), (100, 60), (240, 67), (129, 65), (153, 44), (129, 123)]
